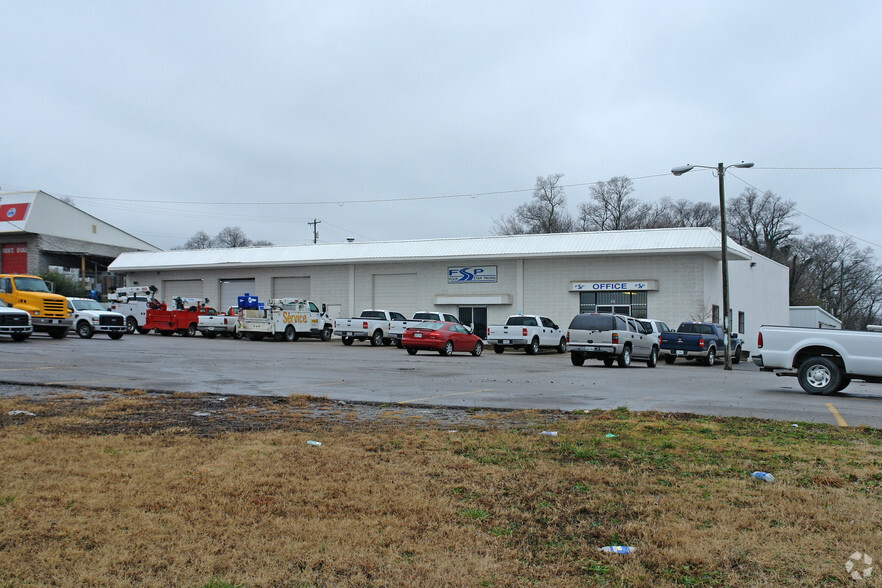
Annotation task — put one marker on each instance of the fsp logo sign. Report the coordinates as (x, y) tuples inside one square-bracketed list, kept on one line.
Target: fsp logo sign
[(289, 318), (460, 275)]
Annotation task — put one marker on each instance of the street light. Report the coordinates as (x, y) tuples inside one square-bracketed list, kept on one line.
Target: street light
[(721, 172)]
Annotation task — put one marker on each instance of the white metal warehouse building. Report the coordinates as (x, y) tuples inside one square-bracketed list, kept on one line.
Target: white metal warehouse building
[(668, 274)]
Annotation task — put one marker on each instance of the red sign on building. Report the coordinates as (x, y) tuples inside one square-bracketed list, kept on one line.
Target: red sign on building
[(13, 212), (14, 258)]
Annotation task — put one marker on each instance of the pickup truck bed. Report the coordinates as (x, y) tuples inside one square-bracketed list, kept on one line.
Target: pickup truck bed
[(702, 341)]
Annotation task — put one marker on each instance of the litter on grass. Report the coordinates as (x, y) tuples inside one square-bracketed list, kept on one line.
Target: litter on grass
[(20, 412)]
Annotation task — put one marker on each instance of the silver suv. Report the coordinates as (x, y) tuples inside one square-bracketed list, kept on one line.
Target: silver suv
[(611, 338)]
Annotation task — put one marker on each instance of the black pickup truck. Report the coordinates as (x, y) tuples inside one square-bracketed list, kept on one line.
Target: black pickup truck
[(702, 341)]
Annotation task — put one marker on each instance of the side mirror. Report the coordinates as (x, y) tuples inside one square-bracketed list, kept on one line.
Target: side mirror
[(324, 308)]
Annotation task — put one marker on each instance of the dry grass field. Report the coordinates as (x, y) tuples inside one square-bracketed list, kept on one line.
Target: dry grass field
[(196, 491)]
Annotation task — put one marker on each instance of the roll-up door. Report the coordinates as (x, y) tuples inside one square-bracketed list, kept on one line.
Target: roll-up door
[(183, 288), (230, 290), (396, 292), (291, 287)]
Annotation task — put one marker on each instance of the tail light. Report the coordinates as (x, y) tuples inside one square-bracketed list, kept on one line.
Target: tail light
[(759, 340), (615, 338), (568, 336), (525, 331), (364, 325), (659, 339), (701, 342), (225, 321)]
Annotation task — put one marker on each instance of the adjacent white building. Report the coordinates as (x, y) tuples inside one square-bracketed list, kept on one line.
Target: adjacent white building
[(40, 233), (669, 274)]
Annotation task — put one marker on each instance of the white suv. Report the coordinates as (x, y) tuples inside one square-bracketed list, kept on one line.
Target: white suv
[(611, 338)]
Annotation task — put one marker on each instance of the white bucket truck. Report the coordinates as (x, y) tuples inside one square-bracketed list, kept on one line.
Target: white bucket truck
[(283, 319)]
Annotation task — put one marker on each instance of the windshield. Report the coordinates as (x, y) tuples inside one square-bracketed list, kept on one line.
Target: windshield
[(86, 305), (429, 326), (30, 284)]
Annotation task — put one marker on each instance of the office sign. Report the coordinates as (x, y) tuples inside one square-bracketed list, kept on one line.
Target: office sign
[(471, 274), (614, 286)]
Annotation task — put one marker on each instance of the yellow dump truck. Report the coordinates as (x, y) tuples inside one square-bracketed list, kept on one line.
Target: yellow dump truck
[(49, 312)]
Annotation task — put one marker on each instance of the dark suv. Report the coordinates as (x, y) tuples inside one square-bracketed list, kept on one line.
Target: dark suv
[(611, 338)]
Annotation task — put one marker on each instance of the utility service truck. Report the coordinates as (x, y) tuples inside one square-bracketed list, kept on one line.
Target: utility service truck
[(132, 303), (49, 312), (283, 319)]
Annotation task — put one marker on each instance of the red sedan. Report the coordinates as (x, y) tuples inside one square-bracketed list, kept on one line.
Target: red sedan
[(445, 338)]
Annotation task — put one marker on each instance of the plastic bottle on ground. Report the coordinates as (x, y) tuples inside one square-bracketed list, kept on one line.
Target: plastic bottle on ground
[(764, 476), (617, 549)]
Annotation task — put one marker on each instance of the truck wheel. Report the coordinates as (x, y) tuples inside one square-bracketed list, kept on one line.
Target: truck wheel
[(577, 357), (387, 341), (59, 332), (85, 330), (562, 346), (290, 334), (347, 340), (670, 359), (142, 330), (377, 338), (624, 358), (844, 381), (131, 325), (653, 357), (533, 347), (326, 334), (479, 348), (411, 351), (20, 336), (448, 349), (608, 361), (209, 334), (819, 375), (115, 335), (166, 333), (399, 344), (737, 357), (499, 348), (237, 335), (711, 356), (191, 330)]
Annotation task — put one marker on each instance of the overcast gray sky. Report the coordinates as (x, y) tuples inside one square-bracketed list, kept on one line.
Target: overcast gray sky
[(166, 118)]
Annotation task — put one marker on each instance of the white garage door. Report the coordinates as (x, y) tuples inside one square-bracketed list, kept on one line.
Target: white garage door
[(396, 292), (183, 288), (230, 290), (291, 287)]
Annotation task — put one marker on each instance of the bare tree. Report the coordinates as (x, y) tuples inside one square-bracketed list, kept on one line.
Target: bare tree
[(200, 240), (613, 208), (232, 237), (835, 274), (547, 213), (762, 223)]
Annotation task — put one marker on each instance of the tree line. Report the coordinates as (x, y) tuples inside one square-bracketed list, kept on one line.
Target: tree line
[(228, 237), (825, 270)]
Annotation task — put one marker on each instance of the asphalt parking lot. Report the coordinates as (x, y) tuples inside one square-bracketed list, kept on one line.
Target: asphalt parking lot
[(512, 380)]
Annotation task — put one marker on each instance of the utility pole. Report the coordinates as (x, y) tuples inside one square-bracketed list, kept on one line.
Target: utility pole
[(315, 222)]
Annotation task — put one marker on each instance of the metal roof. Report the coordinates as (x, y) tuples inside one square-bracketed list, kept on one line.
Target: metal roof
[(688, 240)]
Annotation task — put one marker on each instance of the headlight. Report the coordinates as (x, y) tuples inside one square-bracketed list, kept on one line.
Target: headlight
[(95, 320), (35, 312)]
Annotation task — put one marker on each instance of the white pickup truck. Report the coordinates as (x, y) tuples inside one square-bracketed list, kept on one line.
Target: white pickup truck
[(90, 317), (15, 322), (824, 360), (529, 332), (213, 324), (380, 327)]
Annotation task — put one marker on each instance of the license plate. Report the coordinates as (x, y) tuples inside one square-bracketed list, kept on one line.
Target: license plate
[(346, 333), (592, 349), (506, 342), (681, 352), (417, 335)]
